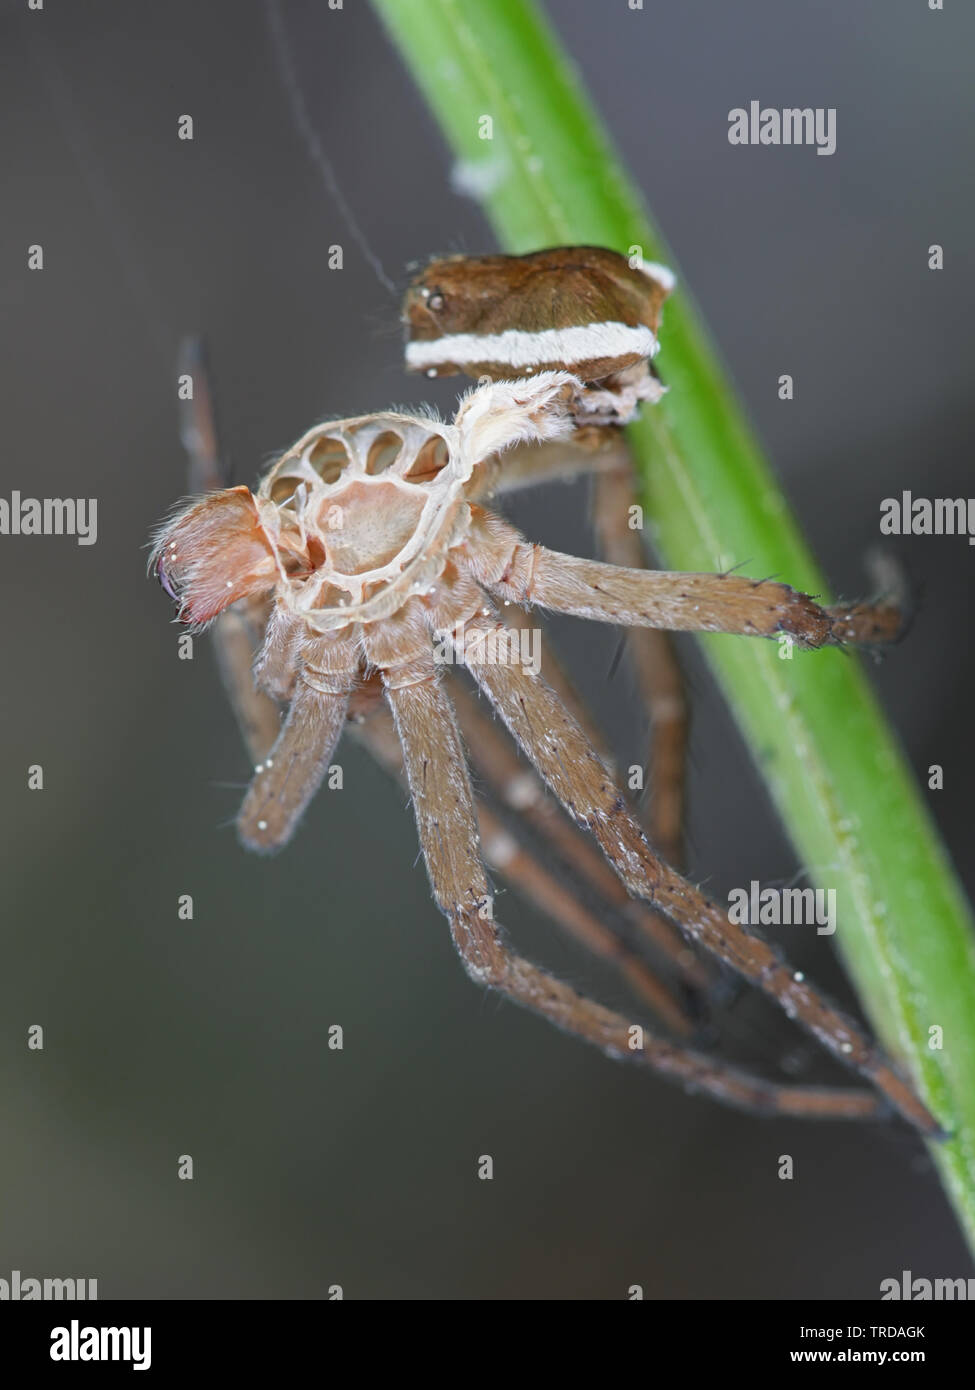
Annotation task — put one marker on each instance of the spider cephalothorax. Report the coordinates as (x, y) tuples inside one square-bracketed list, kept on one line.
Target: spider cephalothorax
[(364, 549), (581, 309)]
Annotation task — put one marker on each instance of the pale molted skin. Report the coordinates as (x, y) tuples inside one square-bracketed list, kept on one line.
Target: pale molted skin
[(358, 516), (365, 542), (384, 515)]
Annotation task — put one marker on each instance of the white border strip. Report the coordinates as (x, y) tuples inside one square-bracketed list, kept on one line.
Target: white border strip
[(664, 277), (516, 348)]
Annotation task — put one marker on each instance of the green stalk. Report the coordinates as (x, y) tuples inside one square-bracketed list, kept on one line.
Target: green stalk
[(550, 176)]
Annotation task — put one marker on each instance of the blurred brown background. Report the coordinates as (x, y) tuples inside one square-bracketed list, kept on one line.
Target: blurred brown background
[(209, 1038)]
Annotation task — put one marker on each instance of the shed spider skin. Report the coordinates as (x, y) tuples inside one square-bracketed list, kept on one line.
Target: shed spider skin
[(579, 893), (370, 542)]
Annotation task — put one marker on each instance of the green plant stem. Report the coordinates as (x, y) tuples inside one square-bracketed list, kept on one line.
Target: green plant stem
[(852, 807)]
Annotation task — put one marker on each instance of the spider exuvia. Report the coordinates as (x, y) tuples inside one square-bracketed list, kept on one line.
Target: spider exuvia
[(368, 553)]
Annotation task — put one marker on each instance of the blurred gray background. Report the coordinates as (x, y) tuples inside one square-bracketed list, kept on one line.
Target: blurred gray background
[(208, 1038)]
